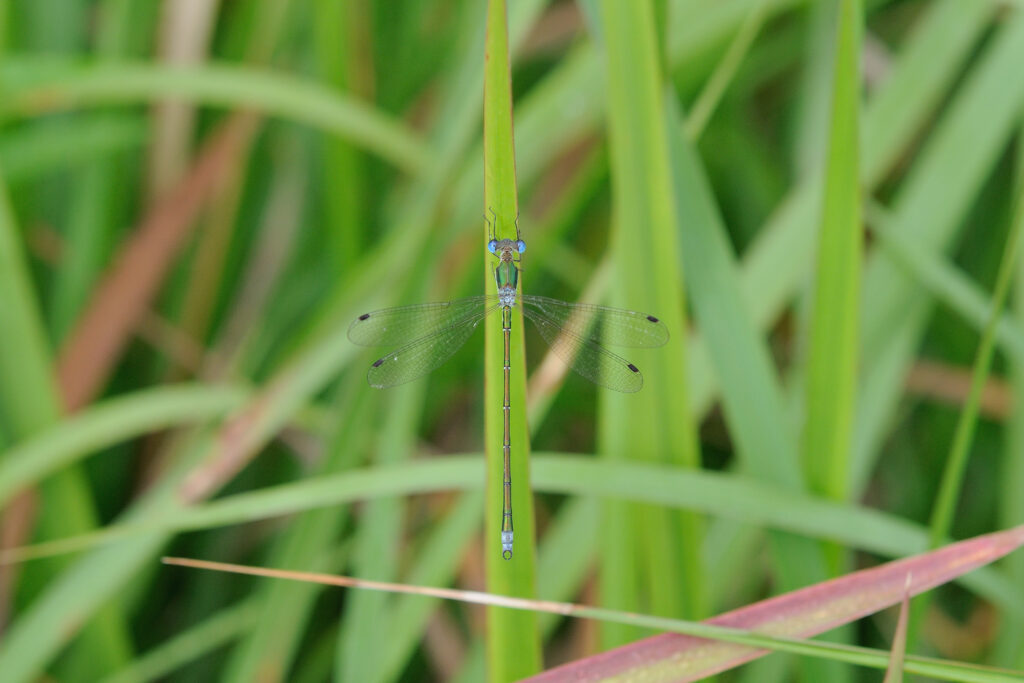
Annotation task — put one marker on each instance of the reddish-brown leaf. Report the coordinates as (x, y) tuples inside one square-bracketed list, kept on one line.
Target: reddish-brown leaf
[(800, 614)]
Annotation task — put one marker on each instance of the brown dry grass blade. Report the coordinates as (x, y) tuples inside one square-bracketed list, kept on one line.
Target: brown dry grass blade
[(123, 296), (899, 641), (800, 614)]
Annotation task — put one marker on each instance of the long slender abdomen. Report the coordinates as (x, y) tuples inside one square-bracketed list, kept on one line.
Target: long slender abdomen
[(506, 521)]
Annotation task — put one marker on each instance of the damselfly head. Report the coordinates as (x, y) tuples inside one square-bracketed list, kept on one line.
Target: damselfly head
[(506, 249)]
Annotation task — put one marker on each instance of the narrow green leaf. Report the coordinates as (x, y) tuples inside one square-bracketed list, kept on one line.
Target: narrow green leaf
[(929, 208), (189, 645), (956, 464), (29, 402), (832, 362), (729, 496), (1009, 646), (33, 150), (650, 557), (437, 563), (41, 630), (28, 396), (35, 87), (275, 633), (515, 576), (952, 480), (724, 73), (108, 423), (364, 639), (753, 402), (341, 43), (946, 283)]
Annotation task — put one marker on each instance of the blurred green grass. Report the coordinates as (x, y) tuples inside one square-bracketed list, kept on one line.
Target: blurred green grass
[(363, 186)]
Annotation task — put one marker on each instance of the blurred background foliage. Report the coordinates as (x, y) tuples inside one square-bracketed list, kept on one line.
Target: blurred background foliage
[(201, 195)]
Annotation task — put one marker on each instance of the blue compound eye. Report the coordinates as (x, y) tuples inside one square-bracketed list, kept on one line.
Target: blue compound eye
[(492, 246), (521, 246)]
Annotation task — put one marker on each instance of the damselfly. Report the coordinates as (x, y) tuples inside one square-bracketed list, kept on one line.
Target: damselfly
[(428, 334)]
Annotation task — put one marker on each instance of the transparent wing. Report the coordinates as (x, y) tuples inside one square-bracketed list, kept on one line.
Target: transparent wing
[(586, 356), (426, 354), (394, 326), (601, 324)]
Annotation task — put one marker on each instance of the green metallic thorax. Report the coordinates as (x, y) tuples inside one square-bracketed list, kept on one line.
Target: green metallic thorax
[(506, 275)]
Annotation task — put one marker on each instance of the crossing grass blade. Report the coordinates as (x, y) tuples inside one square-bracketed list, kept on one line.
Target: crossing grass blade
[(33, 88), (107, 424), (721, 495), (37, 150), (191, 644), (949, 285)]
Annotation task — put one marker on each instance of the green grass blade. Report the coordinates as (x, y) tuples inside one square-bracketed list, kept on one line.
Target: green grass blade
[(41, 631), (646, 550), (752, 397), (109, 423), (513, 647), (274, 636), (437, 564), (191, 644), (29, 402), (364, 639), (928, 209), (340, 45), (832, 362), (933, 56), (34, 150), (946, 283), (956, 464), (96, 201), (729, 496), (814, 98), (32, 88), (25, 362), (711, 95), (769, 279), (1009, 646)]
